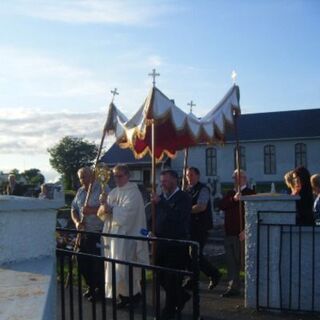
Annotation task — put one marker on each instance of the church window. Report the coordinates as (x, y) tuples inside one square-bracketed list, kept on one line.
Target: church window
[(211, 162), (300, 154), (269, 159)]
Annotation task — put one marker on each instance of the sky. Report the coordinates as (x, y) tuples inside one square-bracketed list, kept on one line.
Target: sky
[(61, 58)]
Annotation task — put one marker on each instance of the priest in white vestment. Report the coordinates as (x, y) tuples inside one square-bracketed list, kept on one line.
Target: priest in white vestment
[(125, 215)]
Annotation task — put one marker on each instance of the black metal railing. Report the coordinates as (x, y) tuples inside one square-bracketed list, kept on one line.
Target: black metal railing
[(288, 267), (72, 305)]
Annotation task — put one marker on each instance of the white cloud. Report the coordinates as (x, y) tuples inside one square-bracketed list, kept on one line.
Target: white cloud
[(26, 134), (29, 73), (33, 132), (126, 12), (32, 78)]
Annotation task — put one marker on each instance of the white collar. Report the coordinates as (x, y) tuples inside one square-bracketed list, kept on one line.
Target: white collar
[(171, 195)]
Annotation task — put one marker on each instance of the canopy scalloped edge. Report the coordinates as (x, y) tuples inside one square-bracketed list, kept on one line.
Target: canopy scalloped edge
[(125, 145)]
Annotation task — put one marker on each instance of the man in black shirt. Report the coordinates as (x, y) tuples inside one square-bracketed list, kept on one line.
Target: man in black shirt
[(201, 221), (172, 221)]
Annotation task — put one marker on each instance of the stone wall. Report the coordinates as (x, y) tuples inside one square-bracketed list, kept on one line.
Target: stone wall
[(282, 266), (27, 258)]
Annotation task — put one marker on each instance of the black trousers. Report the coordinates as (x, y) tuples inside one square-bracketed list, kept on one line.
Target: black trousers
[(201, 236), (175, 257), (91, 269)]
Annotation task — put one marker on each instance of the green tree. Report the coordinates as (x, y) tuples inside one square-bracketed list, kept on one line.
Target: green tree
[(33, 176), (69, 155), (16, 173)]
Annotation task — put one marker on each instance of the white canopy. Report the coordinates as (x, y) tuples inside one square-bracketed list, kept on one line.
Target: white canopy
[(175, 129)]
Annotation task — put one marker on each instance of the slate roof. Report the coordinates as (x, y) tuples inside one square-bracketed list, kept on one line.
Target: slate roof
[(278, 125), (255, 126), (117, 155)]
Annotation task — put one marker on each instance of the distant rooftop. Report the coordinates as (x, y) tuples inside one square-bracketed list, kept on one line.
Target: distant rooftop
[(278, 125)]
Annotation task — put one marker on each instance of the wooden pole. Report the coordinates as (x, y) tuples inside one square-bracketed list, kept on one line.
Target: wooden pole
[(185, 166), (79, 235), (186, 156), (153, 178), (239, 187), (95, 164), (153, 207)]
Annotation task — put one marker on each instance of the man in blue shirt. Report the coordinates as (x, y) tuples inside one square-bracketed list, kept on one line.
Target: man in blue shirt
[(85, 218)]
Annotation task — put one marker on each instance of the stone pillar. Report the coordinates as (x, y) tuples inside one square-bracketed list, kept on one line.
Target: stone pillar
[(27, 257), (269, 208)]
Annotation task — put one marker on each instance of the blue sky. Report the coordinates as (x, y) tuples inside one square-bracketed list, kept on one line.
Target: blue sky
[(60, 59)]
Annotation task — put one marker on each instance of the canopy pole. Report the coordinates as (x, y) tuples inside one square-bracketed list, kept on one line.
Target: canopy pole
[(186, 156), (153, 205), (153, 177), (153, 215), (185, 166), (236, 132)]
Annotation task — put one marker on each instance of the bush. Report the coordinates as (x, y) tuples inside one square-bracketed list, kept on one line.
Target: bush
[(68, 196)]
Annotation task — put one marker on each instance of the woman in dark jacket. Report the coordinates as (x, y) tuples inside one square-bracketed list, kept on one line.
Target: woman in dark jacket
[(303, 188)]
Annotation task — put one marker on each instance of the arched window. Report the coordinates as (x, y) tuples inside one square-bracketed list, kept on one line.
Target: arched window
[(242, 158), (300, 154), (211, 162), (269, 159)]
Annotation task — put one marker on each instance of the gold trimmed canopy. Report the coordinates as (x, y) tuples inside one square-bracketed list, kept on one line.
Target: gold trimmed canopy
[(175, 129)]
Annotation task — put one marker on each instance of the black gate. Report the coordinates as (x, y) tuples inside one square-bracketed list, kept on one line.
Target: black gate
[(288, 267), (72, 304)]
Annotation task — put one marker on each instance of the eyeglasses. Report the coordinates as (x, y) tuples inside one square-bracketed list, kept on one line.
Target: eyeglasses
[(118, 176)]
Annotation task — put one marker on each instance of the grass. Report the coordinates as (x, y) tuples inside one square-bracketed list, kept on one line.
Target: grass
[(224, 271)]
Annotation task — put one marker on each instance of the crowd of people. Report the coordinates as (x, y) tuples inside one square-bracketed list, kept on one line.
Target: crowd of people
[(14, 188), (182, 215)]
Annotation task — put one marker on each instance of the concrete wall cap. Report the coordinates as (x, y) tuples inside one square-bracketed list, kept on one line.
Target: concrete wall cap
[(14, 203)]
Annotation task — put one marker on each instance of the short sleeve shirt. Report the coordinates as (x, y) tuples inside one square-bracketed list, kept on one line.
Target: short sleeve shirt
[(92, 222), (204, 196)]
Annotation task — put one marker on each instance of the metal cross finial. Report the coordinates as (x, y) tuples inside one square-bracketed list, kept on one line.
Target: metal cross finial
[(114, 93), (191, 104), (234, 76), (154, 74)]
